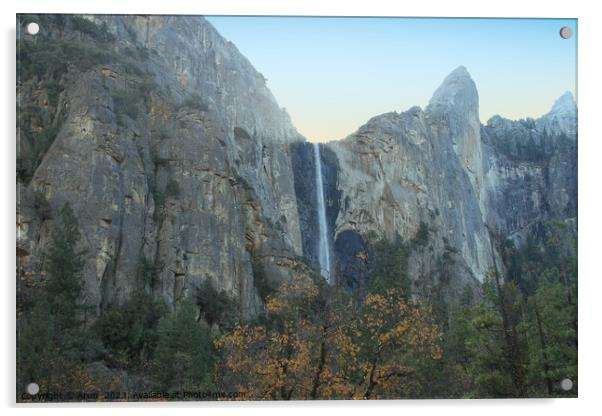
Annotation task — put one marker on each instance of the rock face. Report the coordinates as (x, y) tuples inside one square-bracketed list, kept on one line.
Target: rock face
[(531, 172), (176, 158), (401, 170), (455, 105), (192, 175), (304, 168), (473, 186)]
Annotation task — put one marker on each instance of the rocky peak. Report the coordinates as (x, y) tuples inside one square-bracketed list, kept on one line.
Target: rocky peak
[(562, 118), (201, 175), (454, 111), (564, 105), (457, 94)]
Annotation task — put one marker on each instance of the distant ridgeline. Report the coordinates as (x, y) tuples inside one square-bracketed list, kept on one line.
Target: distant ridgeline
[(154, 163)]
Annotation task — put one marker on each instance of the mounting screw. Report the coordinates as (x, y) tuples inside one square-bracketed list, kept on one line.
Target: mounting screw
[(32, 28), (566, 32)]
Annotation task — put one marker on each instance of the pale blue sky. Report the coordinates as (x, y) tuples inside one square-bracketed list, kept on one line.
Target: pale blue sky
[(333, 74)]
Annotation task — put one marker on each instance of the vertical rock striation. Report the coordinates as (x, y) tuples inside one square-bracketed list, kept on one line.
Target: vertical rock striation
[(173, 153), (182, 168), (531, 172), (401, 170), (473, 186)]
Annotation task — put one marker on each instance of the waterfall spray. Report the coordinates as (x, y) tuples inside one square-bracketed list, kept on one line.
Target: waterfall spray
[(323, 244)]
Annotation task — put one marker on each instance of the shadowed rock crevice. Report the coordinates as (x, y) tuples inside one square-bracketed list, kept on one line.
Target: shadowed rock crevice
[(170, 148)]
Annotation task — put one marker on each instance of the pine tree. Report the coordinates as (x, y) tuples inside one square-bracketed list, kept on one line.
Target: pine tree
[(390, 267), (129, 331), (51, 338), (495, 344), (35, 348), (184, 357), (551, 325), (64, 267)]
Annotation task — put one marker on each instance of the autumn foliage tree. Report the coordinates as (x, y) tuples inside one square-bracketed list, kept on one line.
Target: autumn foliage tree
[(273, 361), (393, 337), (318, 344)]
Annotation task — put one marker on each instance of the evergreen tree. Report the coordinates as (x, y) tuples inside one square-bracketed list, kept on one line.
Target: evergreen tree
[(184, 357), (35, 348), (494, 344), (551, 323), (129, 331), (520, 344), (51, 338), (390, 267), (64, 266)]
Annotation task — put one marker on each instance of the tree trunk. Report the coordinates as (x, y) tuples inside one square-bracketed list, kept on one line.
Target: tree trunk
[(542, 340), (321, 363), (371, 382), (510, 335)]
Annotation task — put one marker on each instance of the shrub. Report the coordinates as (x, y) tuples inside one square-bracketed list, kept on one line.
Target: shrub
[(422, 235), (390, 267), (159, 198), (42, 142), (39, 58), (148, 272), (261, 280), (184, 357), (95, 31), (243, 182), (35, 347), (132, 68), (50, 59), (216, 306), (194, 102), (129, 331), (125, 104), (42, 206), (172, 189), (53, 90)]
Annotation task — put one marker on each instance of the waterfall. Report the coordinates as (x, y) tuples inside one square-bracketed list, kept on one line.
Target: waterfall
[(323, 245)]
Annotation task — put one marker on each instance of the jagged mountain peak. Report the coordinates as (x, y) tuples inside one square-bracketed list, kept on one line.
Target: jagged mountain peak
[(456, 100), (233, 142), (457, 93), (562, 118), (565, 104), (459, 72)]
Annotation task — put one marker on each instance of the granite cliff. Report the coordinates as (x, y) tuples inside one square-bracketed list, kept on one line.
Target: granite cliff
[(473, 187), (177, 159), (172, 152)]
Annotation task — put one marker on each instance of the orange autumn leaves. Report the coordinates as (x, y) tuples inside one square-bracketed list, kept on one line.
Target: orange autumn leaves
[(317, 343)]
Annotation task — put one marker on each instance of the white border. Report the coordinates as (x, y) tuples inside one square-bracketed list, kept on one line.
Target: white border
[(590, 233)]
